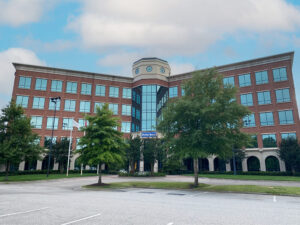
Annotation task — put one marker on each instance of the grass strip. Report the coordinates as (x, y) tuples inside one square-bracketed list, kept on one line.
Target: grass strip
[(273, 190), (248, 177), (33, 177)]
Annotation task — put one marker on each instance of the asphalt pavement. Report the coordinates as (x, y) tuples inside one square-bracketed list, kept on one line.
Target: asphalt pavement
[(63, 201)]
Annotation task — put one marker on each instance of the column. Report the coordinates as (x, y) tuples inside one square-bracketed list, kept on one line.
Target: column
[(228, 167), (244, 165), (282, 166), (155, 166), (22, 166), (55, 167), (141, 165), (262, 163), (211, 163), (39, 165), (103, 167)]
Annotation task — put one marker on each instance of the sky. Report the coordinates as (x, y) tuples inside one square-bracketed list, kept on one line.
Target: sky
[(107, 36)]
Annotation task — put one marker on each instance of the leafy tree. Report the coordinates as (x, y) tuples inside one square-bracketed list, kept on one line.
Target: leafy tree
[(289, 152), (133, 152), (102, 143), (60, 152), (152, 151), (17, 141), (207, 120)]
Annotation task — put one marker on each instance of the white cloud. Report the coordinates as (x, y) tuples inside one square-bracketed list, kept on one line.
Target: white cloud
[(178, 68), (19, 12), (177, 27), (7, 71), (54, 46)]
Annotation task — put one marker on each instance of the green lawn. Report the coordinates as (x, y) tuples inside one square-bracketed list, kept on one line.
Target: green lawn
[(274, 190), (249, 177), (32, 177)]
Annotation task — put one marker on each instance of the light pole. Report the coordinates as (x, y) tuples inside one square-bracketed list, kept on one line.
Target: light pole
[(54, 100)]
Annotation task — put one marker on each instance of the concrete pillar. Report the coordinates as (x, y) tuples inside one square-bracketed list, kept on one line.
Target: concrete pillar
[(103, 166), (282, 166), (2, 167), (262, 162), (156, 166), (39, 165), (87, 167), (22, 166), (244, 165), (211, 163), (141, 165), (228, 167), (55, 166), (72, 162)]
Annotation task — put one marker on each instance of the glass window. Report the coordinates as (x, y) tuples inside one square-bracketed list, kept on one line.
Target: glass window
[(173, 92), (127, 93), (288, 135), (269, 140), (48, 140), (286, 117), (98, 104), (263, 97), (56, 85), (126, 110), (71, 87), (279, 74), (247, 99), (38, 103), (283, 95), (138, 114), (249, 121), (25, 82), (100, 90), (50, 123), (133, 111), (182, 92), (245, 80), (52, 105), (22, 101), (261, 77), (86, 89), (114, 92), (83, 122), (36, 122), (125, 127), (228, 81), (85, 106), (253, 142), (70, 105), (113, 108), (77, 143), (41, 84), (67, 124), (266, 119)]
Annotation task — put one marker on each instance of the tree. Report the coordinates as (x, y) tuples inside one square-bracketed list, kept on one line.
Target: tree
[(206, 121), (102, 143), (152, 151), (60, 151), (289, 152), (133, 152), (17, 141)]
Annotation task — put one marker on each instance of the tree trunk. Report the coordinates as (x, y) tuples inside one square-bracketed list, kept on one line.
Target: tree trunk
[(7, 170), (100, 177), (152, 169), (196, 172), (132, 167)]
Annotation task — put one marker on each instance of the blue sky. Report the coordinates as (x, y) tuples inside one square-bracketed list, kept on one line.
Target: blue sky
[(107, 36)]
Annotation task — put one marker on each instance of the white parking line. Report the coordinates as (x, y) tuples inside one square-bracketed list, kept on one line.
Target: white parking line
[(29, 211), (85, 218), (170, 223)]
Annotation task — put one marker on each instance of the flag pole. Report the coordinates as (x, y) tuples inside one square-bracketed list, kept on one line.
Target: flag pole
[(69, 152)]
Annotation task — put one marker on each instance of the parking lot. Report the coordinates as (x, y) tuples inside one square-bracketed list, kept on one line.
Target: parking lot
[(65, 202)]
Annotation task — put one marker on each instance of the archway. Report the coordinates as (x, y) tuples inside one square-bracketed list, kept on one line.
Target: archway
[(238, 165), (253, 164), (203, 164), (188, 163), (45, 163), (30, 165), (219, 165), (272, 163)]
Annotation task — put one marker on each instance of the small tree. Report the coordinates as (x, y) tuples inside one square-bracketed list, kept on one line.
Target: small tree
[(289, 152), (152, 151), (60, 151), (17, 141), (102, 143), (133, 152), (206, 121)]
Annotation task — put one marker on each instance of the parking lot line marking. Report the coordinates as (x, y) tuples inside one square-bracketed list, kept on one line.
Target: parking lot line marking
[(17, 213), (85, 218), (170, 223)]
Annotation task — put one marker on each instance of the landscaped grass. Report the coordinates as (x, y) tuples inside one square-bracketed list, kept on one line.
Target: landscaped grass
[(249, 177), (274, 190), (32, 177)]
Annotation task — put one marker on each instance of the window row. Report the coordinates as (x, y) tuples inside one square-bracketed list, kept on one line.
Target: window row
[(67, 123), (267, 118), (270, 140), (71, 87), (261, 77), (264, 97)]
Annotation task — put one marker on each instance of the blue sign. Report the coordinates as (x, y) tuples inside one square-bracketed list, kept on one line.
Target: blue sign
[(148, 134)]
